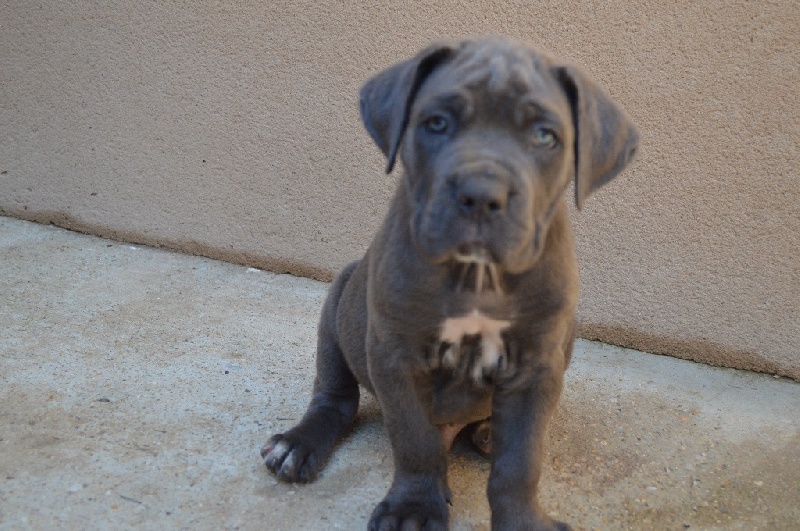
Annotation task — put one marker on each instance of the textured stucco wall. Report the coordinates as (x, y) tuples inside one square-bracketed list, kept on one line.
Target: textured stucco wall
[(231, 129)]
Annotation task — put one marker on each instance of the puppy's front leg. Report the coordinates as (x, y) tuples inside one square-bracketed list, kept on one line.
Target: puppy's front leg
[(419, 494), (521, 409)]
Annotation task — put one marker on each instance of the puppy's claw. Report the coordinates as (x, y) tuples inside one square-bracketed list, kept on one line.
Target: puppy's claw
[(265, 450)]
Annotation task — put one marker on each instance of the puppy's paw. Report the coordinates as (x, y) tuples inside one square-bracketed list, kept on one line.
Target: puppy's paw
[(403, 509), (481, 436), (291, 459), (406, 517)]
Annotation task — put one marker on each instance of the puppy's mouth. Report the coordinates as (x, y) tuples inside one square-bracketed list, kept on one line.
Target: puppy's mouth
[(476, 270)]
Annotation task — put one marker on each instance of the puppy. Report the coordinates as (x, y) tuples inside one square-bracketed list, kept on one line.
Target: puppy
[(463, 307)]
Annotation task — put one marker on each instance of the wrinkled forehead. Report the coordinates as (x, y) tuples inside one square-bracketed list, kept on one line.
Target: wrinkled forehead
[(499, 71)]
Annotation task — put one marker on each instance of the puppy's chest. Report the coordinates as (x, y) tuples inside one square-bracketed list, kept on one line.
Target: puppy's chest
[(472, 346)]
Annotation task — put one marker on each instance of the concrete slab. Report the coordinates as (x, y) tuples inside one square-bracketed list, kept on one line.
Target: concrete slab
[(139, 384)]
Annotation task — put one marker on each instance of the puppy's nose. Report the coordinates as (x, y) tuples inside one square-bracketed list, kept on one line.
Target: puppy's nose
[(479, 197)]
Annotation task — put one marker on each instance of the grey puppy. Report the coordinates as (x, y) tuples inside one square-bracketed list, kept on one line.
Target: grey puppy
[(463, 308)]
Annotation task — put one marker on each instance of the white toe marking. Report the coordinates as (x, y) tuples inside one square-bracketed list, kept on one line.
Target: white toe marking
[(280, 449), (288, 463)]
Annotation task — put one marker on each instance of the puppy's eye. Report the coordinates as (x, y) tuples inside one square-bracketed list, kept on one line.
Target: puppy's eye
[(437, 124), (544, 137)]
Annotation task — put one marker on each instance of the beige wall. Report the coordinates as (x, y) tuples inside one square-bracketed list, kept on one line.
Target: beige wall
[(230, 129)]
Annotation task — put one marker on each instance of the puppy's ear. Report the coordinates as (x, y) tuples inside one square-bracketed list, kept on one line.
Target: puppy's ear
[(386, 99), (605, 139)]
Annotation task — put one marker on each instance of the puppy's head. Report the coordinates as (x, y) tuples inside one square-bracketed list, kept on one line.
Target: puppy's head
[(490, 134)]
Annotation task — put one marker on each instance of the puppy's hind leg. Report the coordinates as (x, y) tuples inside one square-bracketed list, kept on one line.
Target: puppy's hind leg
[(299, 454)]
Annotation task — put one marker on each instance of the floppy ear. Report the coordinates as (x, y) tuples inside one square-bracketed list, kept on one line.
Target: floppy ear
[(605, 139), (386, 99)]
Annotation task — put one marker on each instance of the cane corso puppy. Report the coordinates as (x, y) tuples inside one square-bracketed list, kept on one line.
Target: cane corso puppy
[(461, 313)]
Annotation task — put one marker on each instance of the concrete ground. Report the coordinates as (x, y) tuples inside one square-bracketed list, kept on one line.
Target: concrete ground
[(139, 384)]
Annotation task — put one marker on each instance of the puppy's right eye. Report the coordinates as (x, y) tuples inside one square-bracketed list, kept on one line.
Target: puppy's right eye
[(437, 124)]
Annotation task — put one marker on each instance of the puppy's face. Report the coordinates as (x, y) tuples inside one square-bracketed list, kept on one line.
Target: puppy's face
[(490, 133), (488, 151)]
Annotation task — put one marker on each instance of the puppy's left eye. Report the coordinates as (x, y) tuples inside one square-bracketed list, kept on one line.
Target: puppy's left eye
[(437, 124), (544, 137)]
